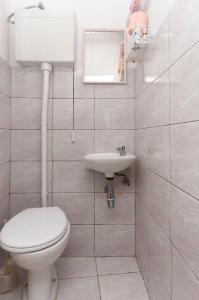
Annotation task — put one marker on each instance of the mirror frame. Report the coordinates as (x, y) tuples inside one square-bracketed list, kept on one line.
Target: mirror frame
[(83, 54)]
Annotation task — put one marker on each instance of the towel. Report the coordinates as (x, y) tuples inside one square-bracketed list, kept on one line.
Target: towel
[(139, 5), (135, 6)]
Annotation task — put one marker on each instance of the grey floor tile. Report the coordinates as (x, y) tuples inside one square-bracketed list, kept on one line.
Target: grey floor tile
[(116, 265), (14, 295), (79, 289), (74, 267), (123, 287)]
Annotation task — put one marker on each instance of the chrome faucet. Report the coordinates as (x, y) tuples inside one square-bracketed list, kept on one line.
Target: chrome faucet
[(121, 150)]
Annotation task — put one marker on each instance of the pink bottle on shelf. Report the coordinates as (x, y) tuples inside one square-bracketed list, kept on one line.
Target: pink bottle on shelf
[(140, 19)]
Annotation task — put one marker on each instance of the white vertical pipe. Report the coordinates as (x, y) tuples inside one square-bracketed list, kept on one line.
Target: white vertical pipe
[(46, 69)]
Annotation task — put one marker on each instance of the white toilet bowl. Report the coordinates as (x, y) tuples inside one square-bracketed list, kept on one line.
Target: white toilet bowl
[(36, 238)]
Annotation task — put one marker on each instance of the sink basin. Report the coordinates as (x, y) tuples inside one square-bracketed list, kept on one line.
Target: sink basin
[(108, 163)]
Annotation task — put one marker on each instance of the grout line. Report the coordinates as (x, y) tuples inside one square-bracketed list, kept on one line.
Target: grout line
[(69, 129), (172, 244), (182, 257), (4, 198), (28, 98), (98, 281), (102, 275), (168, 125), (171, 183), (170, 66), (170, 176), (5, 163), (52, 120)]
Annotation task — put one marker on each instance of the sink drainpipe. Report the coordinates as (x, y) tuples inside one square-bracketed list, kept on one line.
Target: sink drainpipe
[(46, 69), (110, 193)]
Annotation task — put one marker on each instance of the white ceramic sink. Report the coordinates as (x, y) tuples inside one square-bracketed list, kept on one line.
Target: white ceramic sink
[(108, 163)]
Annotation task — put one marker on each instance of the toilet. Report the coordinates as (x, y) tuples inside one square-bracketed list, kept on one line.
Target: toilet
[(35, 239)]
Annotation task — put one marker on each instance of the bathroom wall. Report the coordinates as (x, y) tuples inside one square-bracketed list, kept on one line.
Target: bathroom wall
[(4, 30), (79, 192), (157, 11), (4, 141), (4, 119), (167, 171), (104, 119)]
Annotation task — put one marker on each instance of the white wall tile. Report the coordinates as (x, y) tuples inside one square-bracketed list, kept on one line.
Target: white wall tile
[(123, 213), (19, 202), (27, 82), (4, 180), (156, 287), (65, 149), (142, 236), (158, 201), (26, 145), (25, 177), (141, 114), (141, 143), (5, 146), (26, 113), (81, 242), (160, 254), (184, 105), (5, 77), (5, 111), (83, 90), (158, 51), (108, 140), (158, 101), (63, 83), (183, 30), (4, 210), (184, 284), (184, 157), (158, 150), (114, 114), (122, 239), (116, 90), (62, 114), (78, 207), (84, 114), (141, 73), (185, 227), (72, 177)]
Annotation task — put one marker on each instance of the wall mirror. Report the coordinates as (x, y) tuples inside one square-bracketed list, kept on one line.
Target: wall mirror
[(104, 56)]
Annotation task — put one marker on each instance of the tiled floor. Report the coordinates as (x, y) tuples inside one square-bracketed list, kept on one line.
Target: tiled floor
[(101, 278)]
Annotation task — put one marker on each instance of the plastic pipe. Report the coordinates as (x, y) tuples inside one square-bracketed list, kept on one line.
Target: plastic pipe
[(46, 69)]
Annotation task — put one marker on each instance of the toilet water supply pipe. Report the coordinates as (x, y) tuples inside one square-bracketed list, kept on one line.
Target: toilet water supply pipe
[(46, 69)]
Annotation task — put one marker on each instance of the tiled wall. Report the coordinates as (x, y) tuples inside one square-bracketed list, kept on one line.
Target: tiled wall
[(104, 119), (4, 141), (167, 149)]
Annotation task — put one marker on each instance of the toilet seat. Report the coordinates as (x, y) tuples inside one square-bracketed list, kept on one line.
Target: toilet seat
[(34, 229)]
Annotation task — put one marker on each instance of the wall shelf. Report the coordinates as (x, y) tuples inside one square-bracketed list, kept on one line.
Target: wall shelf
[(134, 49)]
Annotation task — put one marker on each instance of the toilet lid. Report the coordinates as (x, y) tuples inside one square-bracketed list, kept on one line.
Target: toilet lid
[(34, 228)]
